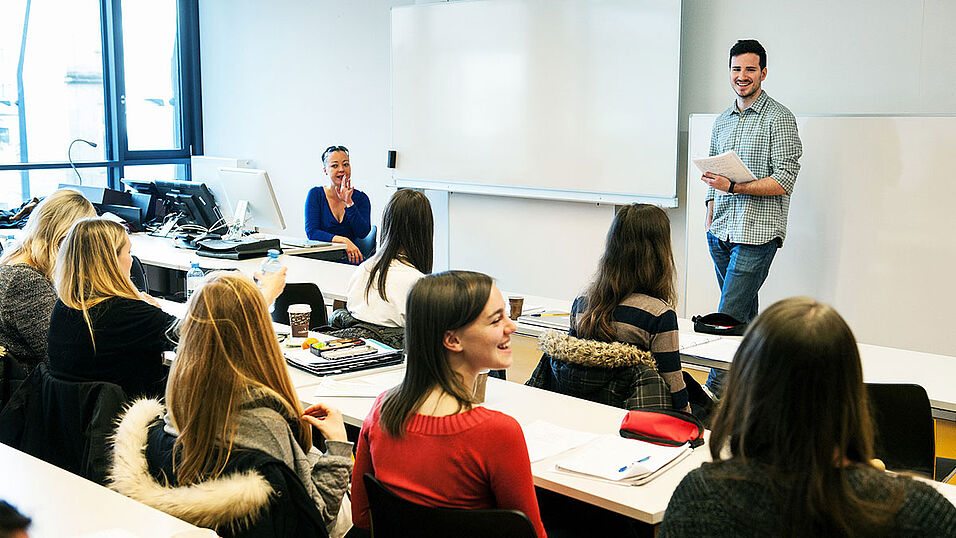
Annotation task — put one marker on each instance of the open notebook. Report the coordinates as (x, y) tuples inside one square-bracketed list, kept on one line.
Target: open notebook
[(622, 461)]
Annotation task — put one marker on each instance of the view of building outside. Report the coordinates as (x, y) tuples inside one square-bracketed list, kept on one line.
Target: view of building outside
[(51, 88)]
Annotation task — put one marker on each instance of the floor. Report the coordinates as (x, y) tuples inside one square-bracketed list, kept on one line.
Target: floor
[(525, 355)]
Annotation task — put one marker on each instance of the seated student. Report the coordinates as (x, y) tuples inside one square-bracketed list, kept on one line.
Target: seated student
[(102, 328), (232, 407), (27, 294), (377, 291), (630, 301), (425, 439), (792, 444), (337, 212)]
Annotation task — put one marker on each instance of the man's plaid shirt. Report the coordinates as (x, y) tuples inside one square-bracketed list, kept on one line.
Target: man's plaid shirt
[(766, 139)]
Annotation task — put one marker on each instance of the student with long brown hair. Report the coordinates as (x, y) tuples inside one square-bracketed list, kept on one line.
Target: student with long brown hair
[(27, 294), (426, 439), (631, 301), (378, 289), (792, 443), (230, 400)]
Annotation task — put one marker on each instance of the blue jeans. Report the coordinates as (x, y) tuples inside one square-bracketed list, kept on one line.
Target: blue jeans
[(741, 270)]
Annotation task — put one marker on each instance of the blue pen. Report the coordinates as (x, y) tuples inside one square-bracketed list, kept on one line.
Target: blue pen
[(642, 460)]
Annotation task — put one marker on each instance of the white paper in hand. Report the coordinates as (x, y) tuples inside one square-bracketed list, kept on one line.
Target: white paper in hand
[(727, 164)]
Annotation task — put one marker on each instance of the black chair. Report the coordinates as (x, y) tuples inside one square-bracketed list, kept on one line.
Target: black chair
[(367, 243), (393, 516), (301, 293), (905, 432), (137, 274), (65, 423)]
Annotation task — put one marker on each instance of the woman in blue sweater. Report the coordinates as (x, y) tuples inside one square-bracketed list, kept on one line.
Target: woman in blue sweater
[(338, 213)]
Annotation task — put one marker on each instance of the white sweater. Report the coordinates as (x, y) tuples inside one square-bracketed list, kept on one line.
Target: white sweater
[(373, 309)]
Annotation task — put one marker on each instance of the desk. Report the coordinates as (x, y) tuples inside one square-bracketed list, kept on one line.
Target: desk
[(332, 278), (63, 504), (935, 373), (526, 404)]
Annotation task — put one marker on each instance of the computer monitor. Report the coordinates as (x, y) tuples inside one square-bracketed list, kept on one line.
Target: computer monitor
[(193, 200), (249, 193)]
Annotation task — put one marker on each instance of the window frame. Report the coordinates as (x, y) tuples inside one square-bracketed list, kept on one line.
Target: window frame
[(118, 154)]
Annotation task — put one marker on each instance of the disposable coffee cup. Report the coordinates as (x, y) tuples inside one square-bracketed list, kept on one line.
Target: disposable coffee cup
[(517, 303), (481, 382), (299, 317)]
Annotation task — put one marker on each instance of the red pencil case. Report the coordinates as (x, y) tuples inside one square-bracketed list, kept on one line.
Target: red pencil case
[(669, 428)]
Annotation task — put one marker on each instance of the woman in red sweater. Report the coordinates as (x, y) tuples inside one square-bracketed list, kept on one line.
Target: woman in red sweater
[(425, 439)]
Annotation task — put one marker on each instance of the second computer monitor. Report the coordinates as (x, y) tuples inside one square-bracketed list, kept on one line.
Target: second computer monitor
[(254, 187)]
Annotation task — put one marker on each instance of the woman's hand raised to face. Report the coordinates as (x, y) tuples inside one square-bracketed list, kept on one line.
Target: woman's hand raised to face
[(328, 420), (345, 190)]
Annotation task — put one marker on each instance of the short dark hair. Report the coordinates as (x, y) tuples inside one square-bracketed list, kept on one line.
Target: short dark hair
[(332, 149), (11, 520), (752, 46)]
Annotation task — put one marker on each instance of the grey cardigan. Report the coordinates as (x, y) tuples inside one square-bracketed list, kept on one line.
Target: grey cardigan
[(27, 297)]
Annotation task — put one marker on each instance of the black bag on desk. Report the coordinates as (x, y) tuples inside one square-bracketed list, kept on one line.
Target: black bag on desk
[(236, 250), (719, 323)]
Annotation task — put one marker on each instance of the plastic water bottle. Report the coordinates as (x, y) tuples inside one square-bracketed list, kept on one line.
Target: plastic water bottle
[(272, 263), (193, 279)]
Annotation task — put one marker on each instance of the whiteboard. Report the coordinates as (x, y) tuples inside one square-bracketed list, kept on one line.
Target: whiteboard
[(870, 231), (564, 99)]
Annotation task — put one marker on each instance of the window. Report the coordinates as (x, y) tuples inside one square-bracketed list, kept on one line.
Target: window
[(121, 75)]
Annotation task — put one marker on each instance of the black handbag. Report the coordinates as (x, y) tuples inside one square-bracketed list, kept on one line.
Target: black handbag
[(720, 324)]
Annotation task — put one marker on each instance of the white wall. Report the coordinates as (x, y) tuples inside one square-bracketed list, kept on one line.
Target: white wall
[(283, 80)]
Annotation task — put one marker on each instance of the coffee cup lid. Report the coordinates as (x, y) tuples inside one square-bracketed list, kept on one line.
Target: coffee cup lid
[(299, 308)]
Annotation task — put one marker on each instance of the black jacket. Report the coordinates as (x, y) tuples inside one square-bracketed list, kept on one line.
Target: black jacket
[(65, 423), (256, 496)]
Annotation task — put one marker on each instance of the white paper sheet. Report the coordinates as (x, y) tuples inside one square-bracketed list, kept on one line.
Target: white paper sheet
[(727, 164), (359, 387), (615, 458), (689, 339), (545, 439)]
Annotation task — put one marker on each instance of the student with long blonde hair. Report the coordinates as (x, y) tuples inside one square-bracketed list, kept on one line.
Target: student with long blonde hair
[(102, 327), (229, 393), (27, 294)]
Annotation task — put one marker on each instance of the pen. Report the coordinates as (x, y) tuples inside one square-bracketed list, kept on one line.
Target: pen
[(549, 315), (642, 460)]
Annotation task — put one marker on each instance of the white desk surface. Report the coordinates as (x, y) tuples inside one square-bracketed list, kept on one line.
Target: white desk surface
[(332, 278), (63, 504), (526, 404), (935, 373)]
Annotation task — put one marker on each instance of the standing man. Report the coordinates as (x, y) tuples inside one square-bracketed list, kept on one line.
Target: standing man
[(747, 222)]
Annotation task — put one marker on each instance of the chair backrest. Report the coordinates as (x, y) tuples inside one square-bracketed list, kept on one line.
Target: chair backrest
[(65, 423), (393, 516), (905, 432), (301, 293), (137, 274), (367, 243)]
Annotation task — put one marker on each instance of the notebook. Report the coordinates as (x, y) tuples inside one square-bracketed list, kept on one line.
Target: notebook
[(623, 461)]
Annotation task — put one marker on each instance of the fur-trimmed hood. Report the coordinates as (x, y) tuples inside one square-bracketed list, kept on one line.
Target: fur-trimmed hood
[(234, 500), (591, 353)]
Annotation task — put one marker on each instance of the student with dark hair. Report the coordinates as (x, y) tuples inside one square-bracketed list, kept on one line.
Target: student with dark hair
[(631, 301), (378, 289), (747, 222), (792, 444), (13, 524), (337, 212), (426, 439)]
